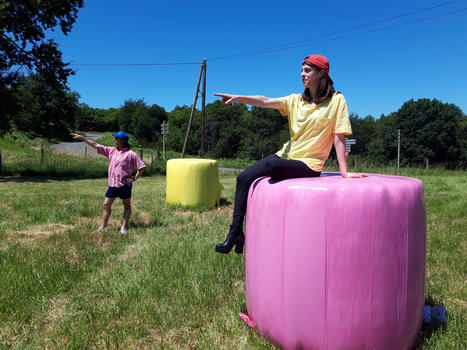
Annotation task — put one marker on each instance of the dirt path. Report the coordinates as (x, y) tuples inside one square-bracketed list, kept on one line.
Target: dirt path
[(78, 147)]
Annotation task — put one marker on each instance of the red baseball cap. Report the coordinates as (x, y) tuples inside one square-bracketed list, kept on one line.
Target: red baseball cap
[(319, 61)]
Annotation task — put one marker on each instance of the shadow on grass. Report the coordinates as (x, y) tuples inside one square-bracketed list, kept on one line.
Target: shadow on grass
[(429, 329), (44, 179), (153, 223), (60, 177), (199, 208), (223, 202)]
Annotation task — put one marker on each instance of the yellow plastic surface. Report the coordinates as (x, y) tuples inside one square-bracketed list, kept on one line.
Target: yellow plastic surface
[(192, 182)]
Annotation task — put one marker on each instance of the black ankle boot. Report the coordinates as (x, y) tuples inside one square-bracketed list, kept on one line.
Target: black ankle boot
[(234, 238)]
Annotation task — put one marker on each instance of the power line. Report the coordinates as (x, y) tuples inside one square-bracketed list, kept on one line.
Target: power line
[(287, 46), (272, 50), (136, 64)]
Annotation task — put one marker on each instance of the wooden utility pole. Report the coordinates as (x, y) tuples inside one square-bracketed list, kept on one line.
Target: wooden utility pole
[(203, 103), (202, 72)]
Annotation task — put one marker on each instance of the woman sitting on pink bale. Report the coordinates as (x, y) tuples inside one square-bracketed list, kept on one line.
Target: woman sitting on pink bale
[(318, 118)]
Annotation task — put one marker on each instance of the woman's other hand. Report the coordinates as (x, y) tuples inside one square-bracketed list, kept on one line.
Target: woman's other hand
[(77, 137), (354, 175), (227, 98)]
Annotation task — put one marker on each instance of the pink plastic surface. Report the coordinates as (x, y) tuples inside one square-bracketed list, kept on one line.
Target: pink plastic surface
[(335, 263)]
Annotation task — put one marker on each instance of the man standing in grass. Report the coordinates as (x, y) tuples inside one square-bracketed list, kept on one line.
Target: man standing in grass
[(122, 162)]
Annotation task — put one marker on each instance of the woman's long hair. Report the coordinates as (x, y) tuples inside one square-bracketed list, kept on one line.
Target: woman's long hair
[(324, 89), (126, 144)]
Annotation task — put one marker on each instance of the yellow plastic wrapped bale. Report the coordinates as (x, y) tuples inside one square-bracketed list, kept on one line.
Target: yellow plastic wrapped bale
[(192, 182)]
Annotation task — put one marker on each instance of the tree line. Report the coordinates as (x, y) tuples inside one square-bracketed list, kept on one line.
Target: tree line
[(430, 130)]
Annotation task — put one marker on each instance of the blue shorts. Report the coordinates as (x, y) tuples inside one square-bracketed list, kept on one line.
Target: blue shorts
[(123, 192)]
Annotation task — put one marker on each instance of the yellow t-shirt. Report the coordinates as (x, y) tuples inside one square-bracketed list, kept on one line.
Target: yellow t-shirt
[(312, 128)]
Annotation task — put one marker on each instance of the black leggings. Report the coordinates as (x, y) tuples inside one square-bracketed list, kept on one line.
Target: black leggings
[(272, 166)]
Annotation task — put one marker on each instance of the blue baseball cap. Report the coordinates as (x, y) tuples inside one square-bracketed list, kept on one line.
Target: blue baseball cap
[(121, 135)]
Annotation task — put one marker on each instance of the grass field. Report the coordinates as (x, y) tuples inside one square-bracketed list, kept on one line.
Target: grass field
[(162, 286)]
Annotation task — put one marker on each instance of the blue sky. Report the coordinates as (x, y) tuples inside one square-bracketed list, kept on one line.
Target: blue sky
[(377, 67)]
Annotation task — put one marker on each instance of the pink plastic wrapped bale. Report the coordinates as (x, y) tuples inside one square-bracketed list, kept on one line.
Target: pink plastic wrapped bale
[(334, 263)]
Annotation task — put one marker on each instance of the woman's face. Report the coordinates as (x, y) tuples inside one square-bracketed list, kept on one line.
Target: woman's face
[(118, 142), (310, 76)]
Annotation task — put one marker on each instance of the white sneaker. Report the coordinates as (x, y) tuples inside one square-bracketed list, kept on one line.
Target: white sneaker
[(123, 230), (100, 229)]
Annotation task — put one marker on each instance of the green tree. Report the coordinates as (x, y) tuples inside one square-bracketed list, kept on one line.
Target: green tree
[(178, 122), (147, 123), (157, 115), (363, 131), (83, 117), (24, 25), (96, 119), (223, 129), (44, 109), (143, 126), (382, 148), (429, 130), (265, 131), (23, 28), (462, 137), (127, 111), (8, 107), (142, 121), (111, 119)]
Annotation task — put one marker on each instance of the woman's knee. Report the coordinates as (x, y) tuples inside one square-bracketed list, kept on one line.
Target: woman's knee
[(250, 174), (107, 205), (270, 167)]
